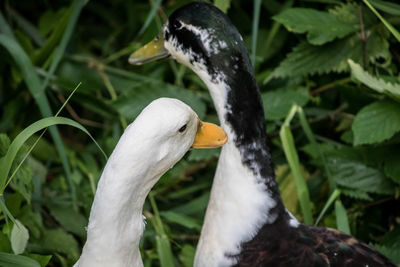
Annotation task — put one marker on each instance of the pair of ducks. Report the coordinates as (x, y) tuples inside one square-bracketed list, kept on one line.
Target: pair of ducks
[(246, 223)]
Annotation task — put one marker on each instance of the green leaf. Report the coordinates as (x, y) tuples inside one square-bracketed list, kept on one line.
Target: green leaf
[(308, 59), (194, 206), (356, 194), (390, 89), (335, 194), (392, 166), (33, 83), (136, 99), (386, 6), (223, 4), (356, 175), (58, 240), (5, 164), (32, 220), (187, 255), (163, 245), (254, 30), (164, 251), (293, 159), (19, 237), (11, 260), (69, 219), (150, 16), (5, 245), (4, 144), (181, 219), (392, 238), (43, 260), (376, 122), (321, 27), (391, 253), (389, 26), (203, 154), (277, 103), (58, 53), (341, 217), (22, 182), (49, 19)]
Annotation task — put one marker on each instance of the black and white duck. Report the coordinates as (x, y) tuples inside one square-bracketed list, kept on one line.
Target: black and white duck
[(159, 137), (246, 223)]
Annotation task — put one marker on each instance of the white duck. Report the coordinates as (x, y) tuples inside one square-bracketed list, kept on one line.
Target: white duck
[(159, 137)]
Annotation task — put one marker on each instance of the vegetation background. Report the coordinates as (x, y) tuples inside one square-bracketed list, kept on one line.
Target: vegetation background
[(333, 123)]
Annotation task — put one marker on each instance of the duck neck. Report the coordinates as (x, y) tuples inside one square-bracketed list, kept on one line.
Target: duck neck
[(237, 99), (245, 196), (116, 222)]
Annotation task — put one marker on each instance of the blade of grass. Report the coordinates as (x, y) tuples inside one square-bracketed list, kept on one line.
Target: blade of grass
[(293, 160), (310, 135), (77, 6), (386, 6), (5, 28), (33, 83), (8, 159), (27, 26), (331, 199), (7, 213), (223, 4), (342, 221), (385, 22), (150, 17), (163, 245), (254, 31), (44, 131), (12, 260)]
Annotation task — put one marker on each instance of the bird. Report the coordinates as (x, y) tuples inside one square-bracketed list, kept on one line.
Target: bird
[(246, 222), (158, 138)]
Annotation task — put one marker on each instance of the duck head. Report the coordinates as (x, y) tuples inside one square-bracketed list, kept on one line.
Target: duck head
[(202, 37), (174, 128)]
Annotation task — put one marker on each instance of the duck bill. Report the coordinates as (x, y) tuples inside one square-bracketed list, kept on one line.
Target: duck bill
[(209, 136), (152, 51)]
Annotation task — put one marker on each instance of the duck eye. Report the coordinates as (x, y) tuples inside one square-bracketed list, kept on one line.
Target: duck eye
[(182, 129), (177, 24)]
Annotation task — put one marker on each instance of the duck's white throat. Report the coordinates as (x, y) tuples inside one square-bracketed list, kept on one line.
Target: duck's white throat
[(116, 222), (239, 203)]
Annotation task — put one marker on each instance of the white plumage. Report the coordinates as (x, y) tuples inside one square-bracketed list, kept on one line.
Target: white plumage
[(149, 147)]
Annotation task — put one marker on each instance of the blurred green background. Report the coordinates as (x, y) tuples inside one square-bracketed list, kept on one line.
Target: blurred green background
[(345, 123)]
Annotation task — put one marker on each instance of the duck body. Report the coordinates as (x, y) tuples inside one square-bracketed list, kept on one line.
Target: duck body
[(151, 145), (246, 223)]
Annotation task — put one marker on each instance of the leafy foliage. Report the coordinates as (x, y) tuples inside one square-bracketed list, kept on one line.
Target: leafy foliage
[(278, 103), (321, 27), (338, 61), (385, 87), (376, 122)]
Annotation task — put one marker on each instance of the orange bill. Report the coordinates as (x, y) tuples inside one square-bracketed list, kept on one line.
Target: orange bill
[(209, 136)]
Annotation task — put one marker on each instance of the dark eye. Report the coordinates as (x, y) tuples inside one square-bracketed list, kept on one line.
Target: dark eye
[(177, 24), (182, 129)]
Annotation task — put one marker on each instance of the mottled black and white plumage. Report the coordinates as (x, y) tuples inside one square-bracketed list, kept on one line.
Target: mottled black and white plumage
[(246, 223)]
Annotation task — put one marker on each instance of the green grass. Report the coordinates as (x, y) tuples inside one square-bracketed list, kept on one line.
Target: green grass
[(48, 182)]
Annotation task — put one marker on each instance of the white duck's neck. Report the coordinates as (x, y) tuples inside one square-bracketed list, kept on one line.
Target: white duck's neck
[(244, 195), (116, 222)]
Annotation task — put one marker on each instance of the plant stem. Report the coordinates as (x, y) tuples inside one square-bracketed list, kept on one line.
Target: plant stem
[(330, 86), (363, 39)]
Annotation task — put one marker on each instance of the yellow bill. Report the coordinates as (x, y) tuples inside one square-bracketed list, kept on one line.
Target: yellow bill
[(152, 51), (209, 136)]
